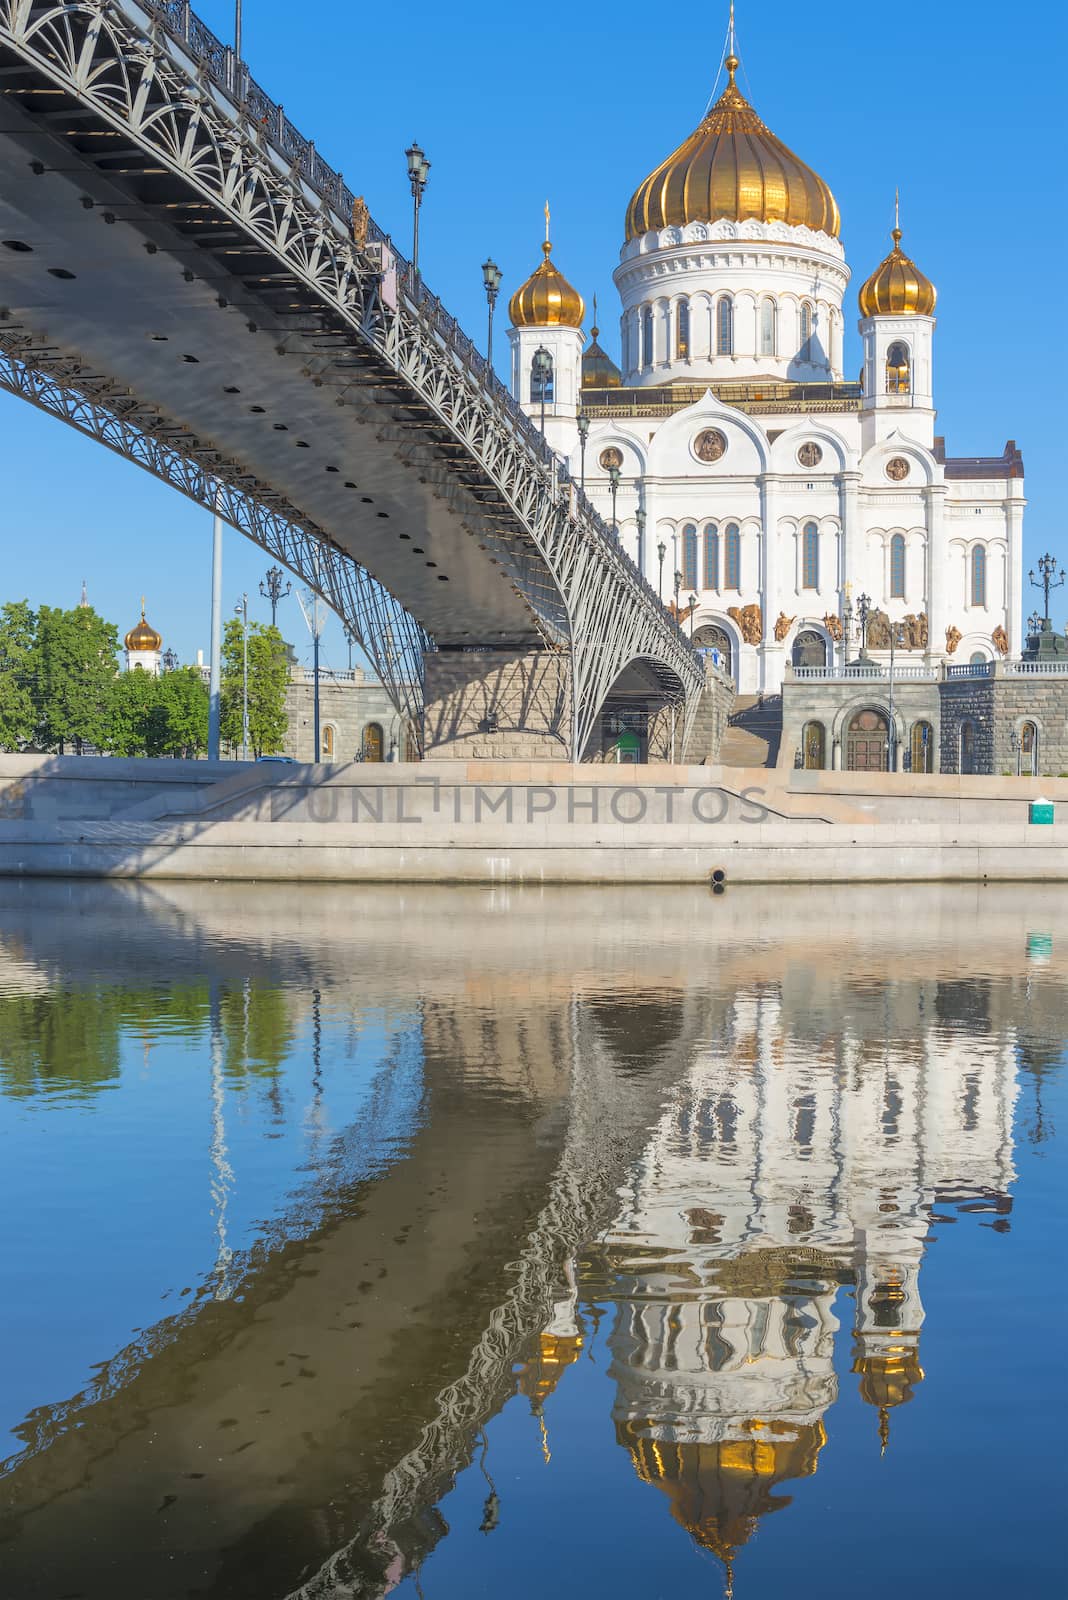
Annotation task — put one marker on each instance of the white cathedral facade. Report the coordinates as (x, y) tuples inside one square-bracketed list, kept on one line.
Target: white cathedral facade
[(757, 489)]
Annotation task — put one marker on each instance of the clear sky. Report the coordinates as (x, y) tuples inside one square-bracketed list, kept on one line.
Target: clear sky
[(960, 104)]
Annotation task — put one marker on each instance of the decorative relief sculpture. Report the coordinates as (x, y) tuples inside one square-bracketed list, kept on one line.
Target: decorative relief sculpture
[(710, 445), (833, 625), (783, 626), (611, 457), (914, 631), (361, 217), (1000, 640), (810, 454), (750, 622), (878, 630), (897, 469), (953, 639)]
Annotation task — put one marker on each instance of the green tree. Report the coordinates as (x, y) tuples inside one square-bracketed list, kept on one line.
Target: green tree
[(134, 713), (18, 666), (268, 675), (75, 677), (180, 726)]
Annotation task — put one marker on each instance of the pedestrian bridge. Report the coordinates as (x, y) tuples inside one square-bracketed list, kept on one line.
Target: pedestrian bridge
[(183, 278)]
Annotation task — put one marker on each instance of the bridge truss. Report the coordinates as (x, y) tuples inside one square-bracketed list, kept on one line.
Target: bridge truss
[(154, 74)]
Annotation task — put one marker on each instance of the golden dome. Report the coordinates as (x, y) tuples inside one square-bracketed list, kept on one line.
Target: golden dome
[(143, 637), (897, 287), (599, 371), (732, 166), (546, 300)]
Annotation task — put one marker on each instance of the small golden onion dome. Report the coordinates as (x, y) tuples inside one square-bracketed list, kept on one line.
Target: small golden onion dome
[(143, 637), (897, 287), (599, 371), (546, 300), (732, 166)]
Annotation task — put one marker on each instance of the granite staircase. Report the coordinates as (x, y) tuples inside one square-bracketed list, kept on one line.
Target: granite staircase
[(754, 732)]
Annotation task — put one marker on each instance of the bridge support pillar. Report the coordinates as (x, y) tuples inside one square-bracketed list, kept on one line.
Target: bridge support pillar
[(497, 705)]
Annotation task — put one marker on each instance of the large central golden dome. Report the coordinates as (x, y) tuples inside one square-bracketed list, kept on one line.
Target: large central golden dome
[(732, 166)]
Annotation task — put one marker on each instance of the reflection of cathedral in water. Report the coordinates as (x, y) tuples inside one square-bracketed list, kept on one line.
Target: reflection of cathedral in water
[(788, 1173)]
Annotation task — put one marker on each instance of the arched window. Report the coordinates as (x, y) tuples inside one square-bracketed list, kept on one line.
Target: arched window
[(541, 388), (966, 763), (715, 639), (810, 649), (329, 741), (682, 330), (689, 557), (813, 745), (768, 339), (647, 336), (898, 375), (897, 567), (810, 557), (977, 659), (733, 574), (373, 742), (1029, 749), (806, 331), (725, 326), (922, 747), (979, 576), (711, 558)]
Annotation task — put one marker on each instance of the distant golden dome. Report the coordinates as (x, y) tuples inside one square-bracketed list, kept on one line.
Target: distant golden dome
[(897, 287), (599, 371), (143, 637), (546, 300), (732, 166)]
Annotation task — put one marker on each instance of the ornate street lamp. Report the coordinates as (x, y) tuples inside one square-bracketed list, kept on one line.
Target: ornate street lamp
[(237, 29), (693, 608), (678, 586), (169, 661), (847, 627), (271, 589), (639, 518), (491, 282), (1046, 580), (1015, 744), (613, 484), (541, 366), (661, 551), (418, 172), (863, 612), (584, 434)]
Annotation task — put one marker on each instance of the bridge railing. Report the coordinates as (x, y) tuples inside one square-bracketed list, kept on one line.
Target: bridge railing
[(221, 65)]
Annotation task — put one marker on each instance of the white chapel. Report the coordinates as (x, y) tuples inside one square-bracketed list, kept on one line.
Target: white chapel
[(760, 491)]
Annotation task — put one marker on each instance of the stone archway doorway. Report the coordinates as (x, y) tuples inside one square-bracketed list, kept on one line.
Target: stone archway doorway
[(866, 741), (810, 649), (712, 637)]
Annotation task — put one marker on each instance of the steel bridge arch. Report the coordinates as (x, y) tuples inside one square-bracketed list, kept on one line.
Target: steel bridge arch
[(216, 130)]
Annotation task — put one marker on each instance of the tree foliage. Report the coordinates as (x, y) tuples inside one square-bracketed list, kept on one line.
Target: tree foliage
[(75, 675), (268, 676), (18, 640)]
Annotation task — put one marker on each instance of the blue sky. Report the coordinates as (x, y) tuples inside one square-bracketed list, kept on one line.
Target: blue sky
[(961, 105)]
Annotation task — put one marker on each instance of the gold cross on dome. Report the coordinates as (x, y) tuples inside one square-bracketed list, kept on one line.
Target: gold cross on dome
[(546, 222)]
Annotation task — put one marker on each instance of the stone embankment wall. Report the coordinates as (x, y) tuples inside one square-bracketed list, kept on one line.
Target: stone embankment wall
[(513, 822)]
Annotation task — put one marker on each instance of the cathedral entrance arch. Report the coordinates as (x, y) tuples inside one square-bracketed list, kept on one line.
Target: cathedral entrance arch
[(867, 738), (711, 637), (810, 649)]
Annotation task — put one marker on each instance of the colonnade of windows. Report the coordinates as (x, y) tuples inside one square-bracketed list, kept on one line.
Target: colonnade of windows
[(720, 552), (678, 341)]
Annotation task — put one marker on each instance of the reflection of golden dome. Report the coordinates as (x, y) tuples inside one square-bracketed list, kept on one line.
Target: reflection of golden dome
[(897, 287), (732, 166), (546, 300), (539, 1377), (143, 637), (719, 1491), (889, 1378)]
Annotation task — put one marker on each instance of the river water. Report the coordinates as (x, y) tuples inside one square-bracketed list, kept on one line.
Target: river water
[(574, 1243)]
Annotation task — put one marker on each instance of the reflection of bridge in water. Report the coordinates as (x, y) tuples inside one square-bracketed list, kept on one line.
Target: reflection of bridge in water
[(184, 281), (790, 1113)]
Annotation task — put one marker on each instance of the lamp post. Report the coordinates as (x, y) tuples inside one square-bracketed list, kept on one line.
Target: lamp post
[(237, 29), (491, 282), (661, 551), (1046, 580), (678, 586), (847, 627), (418, 172), (584, 434), (169, 661), (271, 589), (241, 610), (693, 608), (613, 484), (1014, 745), (891, 733), (541, 365), (863, 612), (639, 518)]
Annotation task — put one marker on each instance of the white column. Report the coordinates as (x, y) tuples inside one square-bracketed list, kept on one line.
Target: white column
[(849, 512), (1014, 578), (772, 653), (935, 501)]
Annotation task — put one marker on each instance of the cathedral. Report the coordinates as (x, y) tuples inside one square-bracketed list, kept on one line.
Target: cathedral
[(769, 498)]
